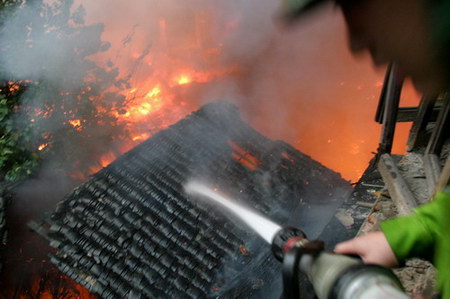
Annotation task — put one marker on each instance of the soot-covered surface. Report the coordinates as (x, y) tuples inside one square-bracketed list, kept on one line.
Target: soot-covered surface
[(132, 231)]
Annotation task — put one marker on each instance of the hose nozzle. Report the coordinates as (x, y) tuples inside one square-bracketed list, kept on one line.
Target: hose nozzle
[(285, 239)]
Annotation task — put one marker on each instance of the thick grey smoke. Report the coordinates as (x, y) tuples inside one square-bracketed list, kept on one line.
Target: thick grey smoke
[(299, 84), (47, 45)]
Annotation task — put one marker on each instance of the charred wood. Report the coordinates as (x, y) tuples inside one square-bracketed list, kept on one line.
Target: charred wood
[(131, 231)]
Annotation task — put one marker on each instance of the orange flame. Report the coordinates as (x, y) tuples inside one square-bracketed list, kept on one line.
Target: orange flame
[(140, 137), (75, 123), (245, 158), (42, 146), (183, 80), (156, 91)]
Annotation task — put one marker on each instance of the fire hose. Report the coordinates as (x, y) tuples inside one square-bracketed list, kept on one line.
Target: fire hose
[(333, 276)]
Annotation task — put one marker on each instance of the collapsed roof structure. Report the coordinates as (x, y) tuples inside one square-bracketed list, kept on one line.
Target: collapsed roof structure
[(132, 231)]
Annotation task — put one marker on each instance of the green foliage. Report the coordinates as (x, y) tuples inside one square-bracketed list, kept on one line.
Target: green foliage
[(8, 6), (39, 106), (16, 160)]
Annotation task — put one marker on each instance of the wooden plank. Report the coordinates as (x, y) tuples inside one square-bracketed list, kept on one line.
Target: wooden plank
[(407, 114), (432, 169), (398, 189), (391, 103), (444, 179), (416, 135), (441, 130)]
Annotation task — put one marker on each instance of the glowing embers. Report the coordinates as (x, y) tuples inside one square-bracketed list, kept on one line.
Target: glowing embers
[(242, 156), (57, 286), (28, 272), (46, 142), (42, 146), (76, 124)]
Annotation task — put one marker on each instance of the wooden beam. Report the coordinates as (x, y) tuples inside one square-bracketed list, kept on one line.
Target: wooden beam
[(410, 114), (441, 130), (380, 109), (432, 170), (399, 191), (391, 103), (416, 135)]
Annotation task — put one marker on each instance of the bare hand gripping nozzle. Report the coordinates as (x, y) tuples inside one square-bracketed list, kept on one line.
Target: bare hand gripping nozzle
[(333, 276)]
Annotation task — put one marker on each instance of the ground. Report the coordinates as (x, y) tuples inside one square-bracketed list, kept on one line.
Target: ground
[(418, 276)]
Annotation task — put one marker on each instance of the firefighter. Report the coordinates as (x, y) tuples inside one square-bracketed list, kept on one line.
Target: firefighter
[(415, 35)]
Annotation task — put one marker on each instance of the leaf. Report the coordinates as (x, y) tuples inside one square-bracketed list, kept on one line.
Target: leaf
[(7, 151)]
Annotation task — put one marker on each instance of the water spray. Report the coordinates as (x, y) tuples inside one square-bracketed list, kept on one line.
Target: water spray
[(333, 276)]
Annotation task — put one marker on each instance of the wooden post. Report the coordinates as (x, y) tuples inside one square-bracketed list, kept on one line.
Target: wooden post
[(391, 104), (444, 179), (441, 130), (432, 170), (381, 101), (416, 134), (398, 189)]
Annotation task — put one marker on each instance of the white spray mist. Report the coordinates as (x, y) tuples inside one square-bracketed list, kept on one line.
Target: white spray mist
[(263, 226)]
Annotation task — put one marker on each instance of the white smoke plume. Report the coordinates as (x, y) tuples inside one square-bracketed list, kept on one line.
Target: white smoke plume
[(299, 84)]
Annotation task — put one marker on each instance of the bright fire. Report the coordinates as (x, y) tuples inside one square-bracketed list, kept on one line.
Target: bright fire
[(154, 92), (75, 123), (42, 146), (171, 67), (184, 80), (173, 62)]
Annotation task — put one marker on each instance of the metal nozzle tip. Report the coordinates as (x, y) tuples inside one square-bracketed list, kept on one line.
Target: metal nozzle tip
[(283, 236)]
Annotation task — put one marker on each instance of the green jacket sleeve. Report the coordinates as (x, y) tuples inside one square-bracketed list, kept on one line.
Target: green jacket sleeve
[(424, 234), (415, 235)]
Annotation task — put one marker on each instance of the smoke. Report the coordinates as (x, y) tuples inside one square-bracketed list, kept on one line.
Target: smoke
[(299, 84), (47, 46)]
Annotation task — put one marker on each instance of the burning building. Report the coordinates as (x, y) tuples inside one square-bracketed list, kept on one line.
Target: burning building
[(154, 64), (132, 231)]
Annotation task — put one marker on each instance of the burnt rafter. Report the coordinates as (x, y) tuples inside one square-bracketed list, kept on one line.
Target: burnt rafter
[(132, 231)]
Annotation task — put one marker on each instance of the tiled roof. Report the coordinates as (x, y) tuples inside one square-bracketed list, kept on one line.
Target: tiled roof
[(131, 231)]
